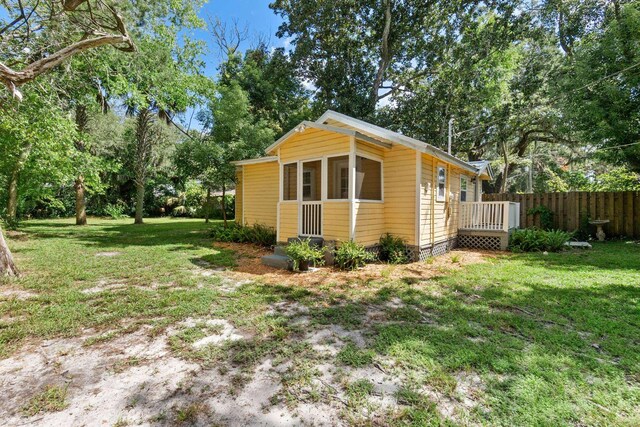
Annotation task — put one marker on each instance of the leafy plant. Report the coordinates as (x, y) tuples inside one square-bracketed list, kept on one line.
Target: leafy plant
[(583, 232), (351, 256), (258, 234), (545, 214), (392, 249), (302, 251), (116, 211), (535, 239)]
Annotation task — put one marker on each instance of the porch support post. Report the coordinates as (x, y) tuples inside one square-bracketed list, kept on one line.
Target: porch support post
[(352, 188), (418, 212)]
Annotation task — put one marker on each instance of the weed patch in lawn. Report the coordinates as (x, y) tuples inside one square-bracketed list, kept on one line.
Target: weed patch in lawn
[(52, 399)]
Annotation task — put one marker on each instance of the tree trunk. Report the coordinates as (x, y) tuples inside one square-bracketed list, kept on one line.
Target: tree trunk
[(143, 153), (223, 204), (82, 120), (505, 171), (7, 266), (385, 55), (139, 203), (81, 212), (12, 190), (207, 210)]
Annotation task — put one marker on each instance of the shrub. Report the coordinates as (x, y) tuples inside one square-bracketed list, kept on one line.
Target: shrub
[(116, 211), (535, 239), (257, 234), (545, 214), (302, 252), (351, 256), (392, 249)]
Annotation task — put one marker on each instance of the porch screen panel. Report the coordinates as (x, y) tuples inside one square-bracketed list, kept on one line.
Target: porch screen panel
[(312, 181), (368, 179), (290, 181), (338, 177)]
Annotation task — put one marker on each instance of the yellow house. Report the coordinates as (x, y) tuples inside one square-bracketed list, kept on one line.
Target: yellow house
[(342, 179)]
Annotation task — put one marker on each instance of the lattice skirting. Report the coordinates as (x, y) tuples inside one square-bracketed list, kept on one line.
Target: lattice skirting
[(438, 249), (493, 243)]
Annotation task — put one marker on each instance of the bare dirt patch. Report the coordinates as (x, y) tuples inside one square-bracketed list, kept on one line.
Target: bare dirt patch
[(15, 293), (107, 254)]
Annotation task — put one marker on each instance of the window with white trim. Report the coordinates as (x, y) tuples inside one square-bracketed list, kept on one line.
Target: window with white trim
[(368, 179), (463, 188), (442, 184), (290, 181), (338, 177)]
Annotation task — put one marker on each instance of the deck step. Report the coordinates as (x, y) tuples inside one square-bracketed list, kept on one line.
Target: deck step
[(278, 261), (280, 250)]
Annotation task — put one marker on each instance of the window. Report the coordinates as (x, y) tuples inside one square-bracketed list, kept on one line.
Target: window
[(463, 188), (290, 181), (442, 184), (338, 177), (368, 179), (311, 174)]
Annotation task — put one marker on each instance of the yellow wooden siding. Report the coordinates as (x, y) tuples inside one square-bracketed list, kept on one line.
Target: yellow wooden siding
[(261, 183), (367, 148), (335, 221), (313, 143), (288, 221), (370, 224), (445, 214), (400, 192), (238, 218)]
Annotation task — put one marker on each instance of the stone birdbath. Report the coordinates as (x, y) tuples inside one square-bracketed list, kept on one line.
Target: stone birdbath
[(599, 223)]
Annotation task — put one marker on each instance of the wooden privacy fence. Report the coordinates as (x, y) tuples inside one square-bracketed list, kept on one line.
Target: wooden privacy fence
[(621, 208)]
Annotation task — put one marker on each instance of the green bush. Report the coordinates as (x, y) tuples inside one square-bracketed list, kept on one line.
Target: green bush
[(116, 211), (545, 214), (392, 249), (351, 256), (535, 239), (257, 234), (301, 251)]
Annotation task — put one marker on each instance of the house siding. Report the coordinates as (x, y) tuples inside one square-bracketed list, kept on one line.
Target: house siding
[(369, 223), (288, 221), (335, 221), (400, 193), (260, 182), (239, 199), (444, 217), (313, 143)]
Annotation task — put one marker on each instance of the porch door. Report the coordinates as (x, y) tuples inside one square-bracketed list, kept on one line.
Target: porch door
[(310, 209)]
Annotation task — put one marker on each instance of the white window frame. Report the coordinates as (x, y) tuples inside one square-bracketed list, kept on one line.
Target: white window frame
[(465, 190), (313, 181), (441, 197), (282, 166), (375, 159), (325, 192)]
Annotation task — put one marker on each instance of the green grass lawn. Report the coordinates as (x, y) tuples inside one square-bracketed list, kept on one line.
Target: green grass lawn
[(524, 339)]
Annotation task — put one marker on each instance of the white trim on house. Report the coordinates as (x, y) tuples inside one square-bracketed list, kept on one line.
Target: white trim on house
[(397, 138), (352, 188), (443, 198), (418, 208), (243, 199), (255, 161), (317, 125)]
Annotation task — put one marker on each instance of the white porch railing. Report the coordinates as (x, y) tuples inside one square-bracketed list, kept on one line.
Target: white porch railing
[(492, 216), (311, 219)]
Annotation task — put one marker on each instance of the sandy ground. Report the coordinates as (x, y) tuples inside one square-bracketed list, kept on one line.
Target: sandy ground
[(135, 379)]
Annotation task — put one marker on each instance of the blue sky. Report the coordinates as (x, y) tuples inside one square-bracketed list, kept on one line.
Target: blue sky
[(254, 14)]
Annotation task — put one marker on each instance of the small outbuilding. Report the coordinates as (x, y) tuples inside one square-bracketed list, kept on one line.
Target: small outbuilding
[(340, 179)]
